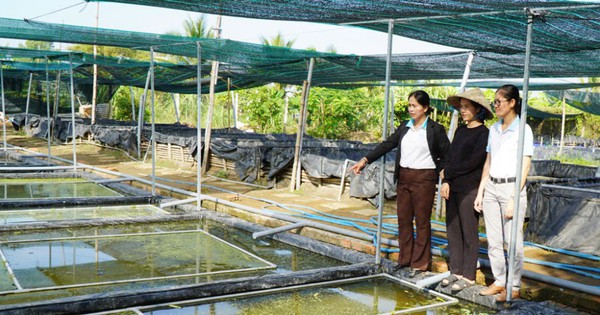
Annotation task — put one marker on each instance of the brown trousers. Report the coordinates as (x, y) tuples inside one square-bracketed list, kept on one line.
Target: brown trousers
[(416, 190)]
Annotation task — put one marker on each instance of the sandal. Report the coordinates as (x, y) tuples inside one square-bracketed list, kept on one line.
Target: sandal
[(462, 284), (449, 280)]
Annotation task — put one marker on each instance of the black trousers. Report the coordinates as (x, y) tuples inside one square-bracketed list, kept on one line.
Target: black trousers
[(462, 222)]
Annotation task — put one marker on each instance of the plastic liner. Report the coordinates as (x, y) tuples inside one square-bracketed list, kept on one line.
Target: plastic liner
[(124, 299), (519, 307), (565, 217), (84, 201)]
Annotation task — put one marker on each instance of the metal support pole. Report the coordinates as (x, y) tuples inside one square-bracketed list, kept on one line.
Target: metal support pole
[(48, 111), (153, 138), (95, 79), (522, 125), (3, 106), (211, 106), (132, 103), (175, 98), (296, 169), (453, 126), (28, 98), (562, 125), (198, 127), (386, 105), (73, 134)]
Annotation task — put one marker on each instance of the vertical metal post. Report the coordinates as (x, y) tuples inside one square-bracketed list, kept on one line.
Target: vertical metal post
[(175, 98), (3, 106), (523, 123), (386, 105), (213, 81), (453, 126), (73, 134), (28, 98), (95, 79), (152, 137), (48, 109), (296, 168), (562, 125), (198, 126), (132, 103)]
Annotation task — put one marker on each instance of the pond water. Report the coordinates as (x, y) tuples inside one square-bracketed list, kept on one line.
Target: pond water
[(52, 188)]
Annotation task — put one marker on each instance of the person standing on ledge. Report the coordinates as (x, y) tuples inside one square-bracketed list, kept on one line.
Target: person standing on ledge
[(422, 146), (498, 183), (461, 178)]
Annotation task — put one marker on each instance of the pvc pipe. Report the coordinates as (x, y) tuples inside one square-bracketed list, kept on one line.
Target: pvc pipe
[(276, 230), (386, 106), (432, 280), (177, 202)]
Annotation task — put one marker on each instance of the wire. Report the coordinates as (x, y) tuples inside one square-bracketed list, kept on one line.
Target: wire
[(55, 11)]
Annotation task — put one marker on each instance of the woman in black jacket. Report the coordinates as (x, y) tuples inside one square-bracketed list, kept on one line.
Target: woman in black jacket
[(422, 146)]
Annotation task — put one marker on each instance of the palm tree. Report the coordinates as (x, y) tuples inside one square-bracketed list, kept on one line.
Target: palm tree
[(197, 27), (277, 41)]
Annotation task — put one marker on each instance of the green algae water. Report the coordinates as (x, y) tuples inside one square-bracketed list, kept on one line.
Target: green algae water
[(52, 188), (122, 258), (78, 213)]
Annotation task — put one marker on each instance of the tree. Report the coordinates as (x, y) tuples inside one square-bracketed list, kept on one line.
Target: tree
[(36, 44), (277, 41)]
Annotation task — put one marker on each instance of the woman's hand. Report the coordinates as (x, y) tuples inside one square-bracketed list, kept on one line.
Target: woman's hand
[(445, 191), (510, 209), (358, 166), (478, 204)]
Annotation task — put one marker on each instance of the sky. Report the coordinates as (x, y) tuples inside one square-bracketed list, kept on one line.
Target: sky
[(345, 39)]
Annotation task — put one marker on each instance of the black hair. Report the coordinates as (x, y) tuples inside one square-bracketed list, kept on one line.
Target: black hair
[(482, 114), (421, 97), (511, 92)]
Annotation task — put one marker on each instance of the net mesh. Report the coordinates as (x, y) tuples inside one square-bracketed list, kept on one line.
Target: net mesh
[(473, 24)]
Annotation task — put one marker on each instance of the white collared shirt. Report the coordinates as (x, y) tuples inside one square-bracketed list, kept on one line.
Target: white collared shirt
[(414, 150), (503, 147)]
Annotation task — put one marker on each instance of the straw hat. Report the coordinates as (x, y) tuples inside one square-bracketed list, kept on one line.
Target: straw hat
[(474, 95)]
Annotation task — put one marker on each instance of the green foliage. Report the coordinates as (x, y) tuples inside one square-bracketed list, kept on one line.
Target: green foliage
[(36, 44), (262, 108), (277, 40)]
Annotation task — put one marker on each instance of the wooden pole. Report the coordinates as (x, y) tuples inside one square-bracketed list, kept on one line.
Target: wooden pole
[(296, 168), (213, 81), (28, 98)]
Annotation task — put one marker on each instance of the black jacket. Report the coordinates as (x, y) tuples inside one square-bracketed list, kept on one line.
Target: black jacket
[(437, 140)]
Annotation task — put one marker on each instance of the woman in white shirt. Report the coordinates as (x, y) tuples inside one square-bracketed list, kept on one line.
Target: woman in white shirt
[(496, 193)]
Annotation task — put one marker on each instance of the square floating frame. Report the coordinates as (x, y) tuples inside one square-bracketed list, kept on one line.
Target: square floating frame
[(35, 188), (376, 294), (28, 216), (74, 262)]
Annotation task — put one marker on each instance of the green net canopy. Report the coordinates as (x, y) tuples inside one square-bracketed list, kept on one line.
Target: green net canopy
[(588, 102), (481, 25)]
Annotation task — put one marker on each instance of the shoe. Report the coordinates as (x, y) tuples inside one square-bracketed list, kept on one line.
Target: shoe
[(415, 272), (399, 268), (461, 285), (502, 297), (491, 290), (449, 280)]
